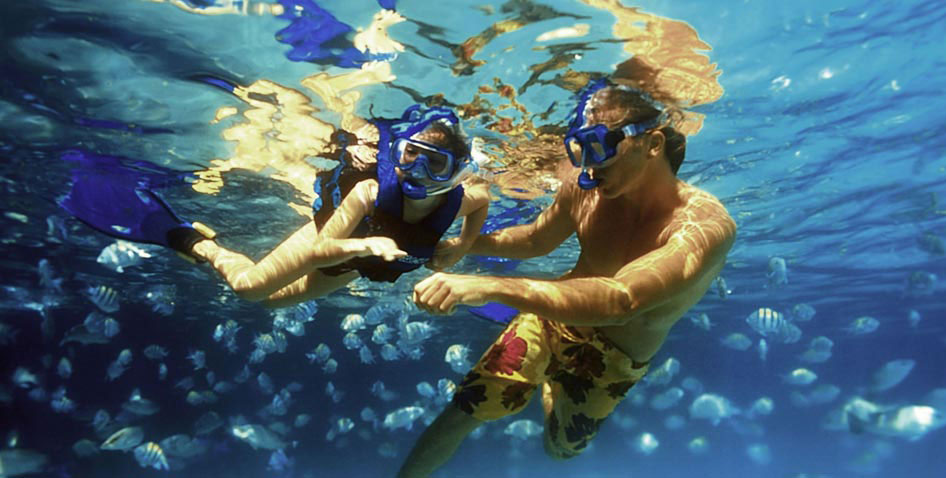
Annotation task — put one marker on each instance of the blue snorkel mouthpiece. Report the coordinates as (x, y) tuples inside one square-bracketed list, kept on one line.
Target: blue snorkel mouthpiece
[(413, 190), (586, 182)]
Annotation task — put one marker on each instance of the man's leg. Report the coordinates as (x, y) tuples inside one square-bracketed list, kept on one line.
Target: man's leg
[(550, 393), (439, 442)]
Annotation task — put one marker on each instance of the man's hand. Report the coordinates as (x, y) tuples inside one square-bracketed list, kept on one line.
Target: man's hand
[(440, 293), (447, 253), (383, 247)]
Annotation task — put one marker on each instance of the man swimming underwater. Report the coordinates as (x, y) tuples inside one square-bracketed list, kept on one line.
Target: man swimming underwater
[(651, 246)]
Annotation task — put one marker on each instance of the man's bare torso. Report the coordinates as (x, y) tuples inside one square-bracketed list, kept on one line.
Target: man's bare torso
[(610, 239)]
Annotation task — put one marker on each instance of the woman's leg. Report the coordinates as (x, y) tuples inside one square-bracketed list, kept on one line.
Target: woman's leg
[(311, 286), (288, 263)]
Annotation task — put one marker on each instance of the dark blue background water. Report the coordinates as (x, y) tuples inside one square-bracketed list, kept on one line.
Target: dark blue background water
[(827, 149)]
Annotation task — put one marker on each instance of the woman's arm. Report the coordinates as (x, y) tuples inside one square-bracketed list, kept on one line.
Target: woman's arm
[(473, 210), (304, 251)]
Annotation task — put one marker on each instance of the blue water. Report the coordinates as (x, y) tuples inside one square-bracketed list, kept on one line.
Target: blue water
[(827, 149)]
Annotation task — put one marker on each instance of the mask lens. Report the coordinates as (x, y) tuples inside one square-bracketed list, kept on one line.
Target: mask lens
[(573, 147), (437, 163), (599, 153)]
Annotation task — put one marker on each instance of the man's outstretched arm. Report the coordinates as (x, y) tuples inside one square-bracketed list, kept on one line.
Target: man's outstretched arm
[(538, 238), (641, 285)]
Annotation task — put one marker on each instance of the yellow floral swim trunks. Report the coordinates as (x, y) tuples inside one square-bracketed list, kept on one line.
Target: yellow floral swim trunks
[(589, 376)]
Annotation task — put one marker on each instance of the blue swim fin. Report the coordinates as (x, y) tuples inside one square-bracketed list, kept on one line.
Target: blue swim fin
[(495, 312), (114, 196)]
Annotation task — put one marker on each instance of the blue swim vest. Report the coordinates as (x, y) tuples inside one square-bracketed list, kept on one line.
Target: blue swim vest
[(387, 220)]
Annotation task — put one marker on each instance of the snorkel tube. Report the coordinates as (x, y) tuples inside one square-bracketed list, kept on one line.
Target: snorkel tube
[(578, 120)]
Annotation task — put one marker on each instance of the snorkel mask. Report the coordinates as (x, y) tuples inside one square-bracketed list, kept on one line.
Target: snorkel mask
[(591, 146), (428, 169)]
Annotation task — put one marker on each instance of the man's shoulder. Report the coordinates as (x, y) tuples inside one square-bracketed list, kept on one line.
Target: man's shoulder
[(702, 209), (703, 203)]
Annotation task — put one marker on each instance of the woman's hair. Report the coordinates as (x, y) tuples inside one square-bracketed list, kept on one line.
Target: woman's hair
[(447, 136), (622, 104)]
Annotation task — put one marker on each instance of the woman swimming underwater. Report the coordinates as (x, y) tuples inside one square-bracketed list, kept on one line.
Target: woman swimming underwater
[(376, 217)]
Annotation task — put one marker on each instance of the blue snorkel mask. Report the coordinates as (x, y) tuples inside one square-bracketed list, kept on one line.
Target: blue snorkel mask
[(591, 146), (428, 169)]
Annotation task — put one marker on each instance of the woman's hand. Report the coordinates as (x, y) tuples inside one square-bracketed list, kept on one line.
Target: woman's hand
[(383, 247)]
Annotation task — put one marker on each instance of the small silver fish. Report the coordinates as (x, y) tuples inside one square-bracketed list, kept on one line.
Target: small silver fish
[(914, 318), (19, 461), (763, 348), (150, 455), (101, 420), (402, 418), (382, 334), (302, 420), (47, 276), (81, 334), (121, 254), (863, 325), (124, 439), (104, 297), (265, 382), (721, 289), (711, 407), (60, 403), (353, 323), (258, 436), (457, 356), (778, 272), (85, 448), (182, 446), (198, 358), (364, 353), (155, 352), (352, 341), (803, 312), (320, 354), (702, 321), (891, 374), (736, 341), (425, 389), (110, 327), (64, 369), (378, 389), (207, 423), (390, 353), (800, 376), (162, 298), (139, 405), (114, 370), (330, 366), (124, 357), (23, 378)]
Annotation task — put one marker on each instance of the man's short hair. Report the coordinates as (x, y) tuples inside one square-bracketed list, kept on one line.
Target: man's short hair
[(622, 104)]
